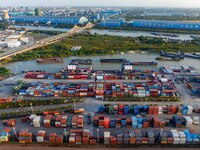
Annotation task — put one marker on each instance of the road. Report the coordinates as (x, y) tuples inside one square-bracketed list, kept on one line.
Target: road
[(39, 147), (46, 41)]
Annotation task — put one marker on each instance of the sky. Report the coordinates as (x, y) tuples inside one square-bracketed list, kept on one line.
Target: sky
[(134, 3)]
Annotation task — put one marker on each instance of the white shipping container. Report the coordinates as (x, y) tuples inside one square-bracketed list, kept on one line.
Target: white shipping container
[(196, 120), (106, 134), (37, 121)]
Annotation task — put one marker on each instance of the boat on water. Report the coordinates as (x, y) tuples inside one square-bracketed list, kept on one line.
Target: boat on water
[(167, 59), (49, 60), (178, 55), (114, 60), (81, 61), (144, 63)]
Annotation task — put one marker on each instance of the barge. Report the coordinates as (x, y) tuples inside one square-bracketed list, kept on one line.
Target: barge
[(81, 61), (167, 59), (192, 56), (49, 60), (114, 60), (172, 55), (144, 63)]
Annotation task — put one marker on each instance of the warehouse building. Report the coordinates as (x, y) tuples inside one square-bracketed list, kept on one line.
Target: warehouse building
[(179, 25), (51, 19), (112, 23)]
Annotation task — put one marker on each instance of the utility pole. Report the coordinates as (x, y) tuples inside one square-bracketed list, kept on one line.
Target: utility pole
[(98, 135), (31, 108), (15, 132), (74, 104)]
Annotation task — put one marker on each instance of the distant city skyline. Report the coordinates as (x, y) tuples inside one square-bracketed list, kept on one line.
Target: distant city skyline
[(133, 3)]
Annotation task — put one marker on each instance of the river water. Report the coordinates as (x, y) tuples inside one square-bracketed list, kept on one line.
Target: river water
[(97, 65), (112, 32)]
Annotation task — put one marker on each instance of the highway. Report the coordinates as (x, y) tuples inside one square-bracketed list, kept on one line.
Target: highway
[(76, 29)]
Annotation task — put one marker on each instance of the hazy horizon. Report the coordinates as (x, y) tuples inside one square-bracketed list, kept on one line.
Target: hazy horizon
[(117, 3)]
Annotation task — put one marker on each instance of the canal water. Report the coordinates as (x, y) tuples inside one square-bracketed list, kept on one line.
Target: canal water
[(112, 32), (97, 65)]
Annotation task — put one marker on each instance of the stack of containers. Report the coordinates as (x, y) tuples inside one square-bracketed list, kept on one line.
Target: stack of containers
[(121, 109), (99, 90), (134, 122), (37, 121), (196, 120), (160, 110), (120, 138), (25, 136), (113, 140), (59, 139), (145, 123), (187, 110), (188, 135), (106, 138), (156, 122), (139, 121), (86, 136), (78, 137), (195, 137), (123, 122), (138, 135), (118, 122), (182, 137), (52, 138), (126, 139), (151, 137), (188, 121), (41, 136), (80, 121), (112, 123), (74, 121), (126, 109), (140, 91), (132, 137), (106, 122), (145, 140), (100, 121), (115, 109), (171, 109), (163, 137), (11, 122), (176, 137), (72, 138), (5, 135), (47, 121), (177, 121), (128, 122)]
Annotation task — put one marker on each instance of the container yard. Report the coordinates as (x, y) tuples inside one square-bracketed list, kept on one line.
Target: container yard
[(99, 89), (114, 111), (67, 129)]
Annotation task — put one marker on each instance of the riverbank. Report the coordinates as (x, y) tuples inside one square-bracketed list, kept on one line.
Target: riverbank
[(94, 45), (151, 30)]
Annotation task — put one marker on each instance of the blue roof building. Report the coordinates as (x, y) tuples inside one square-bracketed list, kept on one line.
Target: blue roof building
[(112, 23), (180, 25), (51, 19)]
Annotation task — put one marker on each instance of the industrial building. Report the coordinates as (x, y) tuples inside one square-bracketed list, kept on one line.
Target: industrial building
[(112, 23), (38, 12), (6, 15), (179, 25), (51, 20)]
